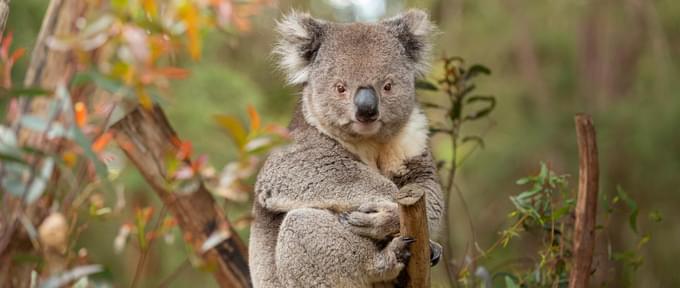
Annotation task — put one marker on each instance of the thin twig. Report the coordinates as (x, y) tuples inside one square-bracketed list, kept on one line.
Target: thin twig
[(175, 273), (141, 262)]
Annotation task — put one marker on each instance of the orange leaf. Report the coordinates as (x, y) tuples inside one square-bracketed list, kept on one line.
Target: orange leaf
[(6, 42), (185, 150), (149, 7), (69, 158), (190, 15), (101, 141), (17, 54), (144, 98), (254, 119), (81, 114), (173, 72), (234, 129)]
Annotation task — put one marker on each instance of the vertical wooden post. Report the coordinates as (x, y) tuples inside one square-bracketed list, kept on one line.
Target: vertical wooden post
[(414, 224), (586, 205)]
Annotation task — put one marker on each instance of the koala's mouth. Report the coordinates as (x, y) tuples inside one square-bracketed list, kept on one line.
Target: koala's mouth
[(366, 128)]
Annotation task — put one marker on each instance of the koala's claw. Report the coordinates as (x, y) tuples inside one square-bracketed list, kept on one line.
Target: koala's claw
[(405, 255), (408, 240), (435, 253), (410, 194)]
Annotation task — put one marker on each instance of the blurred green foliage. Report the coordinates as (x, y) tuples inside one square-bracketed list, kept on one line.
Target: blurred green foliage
[(617, 60)]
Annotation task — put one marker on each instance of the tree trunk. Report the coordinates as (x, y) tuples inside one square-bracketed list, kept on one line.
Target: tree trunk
[(46, 69), (586, 205), (148, 139)]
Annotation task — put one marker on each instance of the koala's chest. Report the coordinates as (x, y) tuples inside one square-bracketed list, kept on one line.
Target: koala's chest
[(388, 160), (389, 157)]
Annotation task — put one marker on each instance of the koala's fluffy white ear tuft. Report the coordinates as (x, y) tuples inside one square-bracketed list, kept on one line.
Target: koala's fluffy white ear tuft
[(414, 29), (300, 37)]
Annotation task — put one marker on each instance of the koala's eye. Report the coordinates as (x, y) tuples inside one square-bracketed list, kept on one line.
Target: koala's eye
[(388, 86), (340, 88)]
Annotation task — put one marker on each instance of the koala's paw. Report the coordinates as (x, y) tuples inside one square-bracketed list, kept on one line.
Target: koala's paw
[(375, 220), (392, 259), (410, 194), (435, 253)]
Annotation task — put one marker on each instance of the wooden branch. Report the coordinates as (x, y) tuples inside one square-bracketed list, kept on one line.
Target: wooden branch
[(414, 224), (586, 205), (148, 139)]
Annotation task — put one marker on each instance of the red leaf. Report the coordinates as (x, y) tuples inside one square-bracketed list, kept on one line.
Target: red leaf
[(6, 42)]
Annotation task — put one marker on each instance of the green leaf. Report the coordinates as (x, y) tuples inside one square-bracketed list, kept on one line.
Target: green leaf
[(468, 89), (632, 219), (644, 240), (426, 85), (475, 139), (431, 105), (23, 92), (489, 100), (655, 216), (510, 283), (86, 145), (544, 172), (62, 279), (476, 70), (11, 158), (523, 181), (108, 84), (40, 181)]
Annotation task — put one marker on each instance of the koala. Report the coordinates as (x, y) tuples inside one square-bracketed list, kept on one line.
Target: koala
[(326, 206)]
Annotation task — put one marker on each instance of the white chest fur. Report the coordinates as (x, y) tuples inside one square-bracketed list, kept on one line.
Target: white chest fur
[(389, 157)]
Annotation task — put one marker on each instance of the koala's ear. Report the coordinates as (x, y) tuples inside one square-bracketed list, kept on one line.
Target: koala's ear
[(414, 30), (300, 37)]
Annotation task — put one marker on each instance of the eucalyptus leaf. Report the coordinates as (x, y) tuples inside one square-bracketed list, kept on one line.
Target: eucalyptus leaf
[(86, 145), (475, 139), (632, 219), (426, 85), (61, 279), (489, 100), (25, 92), (476, 70), (510, 283)]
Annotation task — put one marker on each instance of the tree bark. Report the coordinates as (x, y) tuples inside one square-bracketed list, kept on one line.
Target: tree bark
[(414, 224), (148, 139), (46, 69), (586, 205)]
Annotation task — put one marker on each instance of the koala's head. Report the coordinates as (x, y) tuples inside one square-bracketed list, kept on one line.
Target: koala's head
[(358, 77)]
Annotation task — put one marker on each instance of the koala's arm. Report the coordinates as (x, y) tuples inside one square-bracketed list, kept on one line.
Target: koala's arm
[(420, 176), (318, 177)]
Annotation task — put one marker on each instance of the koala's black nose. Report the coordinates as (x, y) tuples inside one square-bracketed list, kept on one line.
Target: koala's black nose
[(366, 102)]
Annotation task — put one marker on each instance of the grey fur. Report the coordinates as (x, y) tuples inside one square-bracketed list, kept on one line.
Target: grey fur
[(326, 205)]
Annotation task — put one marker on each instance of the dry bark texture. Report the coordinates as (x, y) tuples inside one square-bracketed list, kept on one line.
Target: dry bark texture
[(148, 139), (414, 224), (586, 205), (46, 69)]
